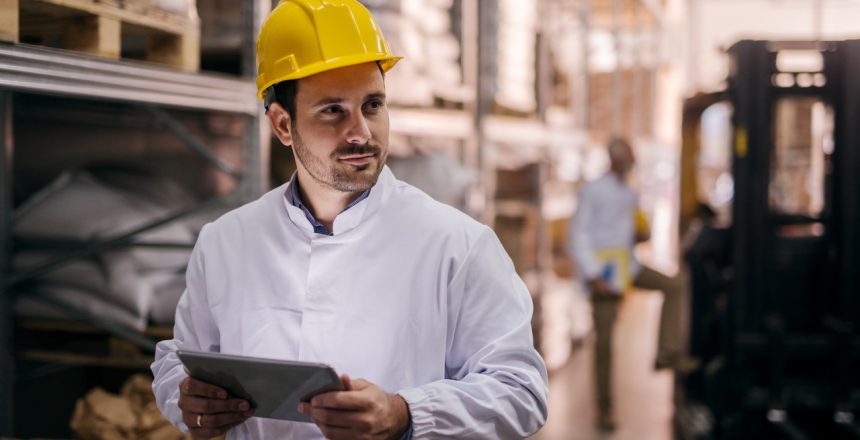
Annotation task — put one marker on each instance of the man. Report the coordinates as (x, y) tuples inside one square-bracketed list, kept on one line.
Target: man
[(348, 266), (606, 226)]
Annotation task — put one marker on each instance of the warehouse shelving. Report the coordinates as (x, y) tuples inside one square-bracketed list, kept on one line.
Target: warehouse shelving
[(158, 91), (45, 71), (527, 146)]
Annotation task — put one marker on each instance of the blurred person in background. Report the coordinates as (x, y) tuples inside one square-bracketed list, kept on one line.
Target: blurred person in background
[(348, 266), (606, 226)]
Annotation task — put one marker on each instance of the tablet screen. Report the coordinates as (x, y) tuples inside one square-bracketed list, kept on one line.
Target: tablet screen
[(273, 387)]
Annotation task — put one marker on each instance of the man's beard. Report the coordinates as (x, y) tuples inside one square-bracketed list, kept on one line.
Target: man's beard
[(345, 178)]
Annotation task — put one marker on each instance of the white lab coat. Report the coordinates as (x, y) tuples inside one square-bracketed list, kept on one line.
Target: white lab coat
[(408, 293), (604, 219)]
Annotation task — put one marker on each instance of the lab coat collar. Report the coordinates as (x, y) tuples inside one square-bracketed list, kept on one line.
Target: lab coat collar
[(352, 217)]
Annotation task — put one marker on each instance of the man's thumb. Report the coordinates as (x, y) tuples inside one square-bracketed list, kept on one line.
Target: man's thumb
[(347, 382)]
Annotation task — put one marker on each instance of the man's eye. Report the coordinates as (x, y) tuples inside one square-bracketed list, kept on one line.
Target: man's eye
[(332, 110), (374, 105)]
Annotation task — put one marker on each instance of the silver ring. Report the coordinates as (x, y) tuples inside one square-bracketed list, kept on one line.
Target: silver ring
[(199, 418)]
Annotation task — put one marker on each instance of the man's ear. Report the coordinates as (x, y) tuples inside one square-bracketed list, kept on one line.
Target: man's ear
[(280, 120)]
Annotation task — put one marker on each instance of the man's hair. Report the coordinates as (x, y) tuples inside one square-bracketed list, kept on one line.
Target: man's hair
[(616, 145), (285, 93)]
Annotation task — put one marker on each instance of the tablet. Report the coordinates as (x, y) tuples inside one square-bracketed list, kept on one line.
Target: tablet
[(274, 388)]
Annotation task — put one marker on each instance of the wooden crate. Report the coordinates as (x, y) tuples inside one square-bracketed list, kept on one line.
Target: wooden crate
[(98, 27)]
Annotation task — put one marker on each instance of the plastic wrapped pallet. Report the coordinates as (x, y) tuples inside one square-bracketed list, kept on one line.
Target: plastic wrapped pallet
[(188, 7), (122, 285), (422, 31)]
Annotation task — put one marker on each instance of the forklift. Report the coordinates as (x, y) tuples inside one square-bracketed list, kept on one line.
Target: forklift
[(770, 219)]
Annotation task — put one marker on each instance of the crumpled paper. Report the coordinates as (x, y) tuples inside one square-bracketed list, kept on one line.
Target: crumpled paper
[(131, 415)]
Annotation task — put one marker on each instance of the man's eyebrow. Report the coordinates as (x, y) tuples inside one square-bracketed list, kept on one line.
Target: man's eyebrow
[(329, 100), (336, 99), (377, 95)]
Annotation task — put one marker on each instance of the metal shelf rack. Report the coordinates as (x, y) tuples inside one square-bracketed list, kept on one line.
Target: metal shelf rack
[(44, 71)]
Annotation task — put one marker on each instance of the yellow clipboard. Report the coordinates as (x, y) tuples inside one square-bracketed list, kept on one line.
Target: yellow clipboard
[(641, 222), (615, 267)]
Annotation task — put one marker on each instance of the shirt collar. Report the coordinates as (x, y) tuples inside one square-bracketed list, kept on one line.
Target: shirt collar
[(293, 197)]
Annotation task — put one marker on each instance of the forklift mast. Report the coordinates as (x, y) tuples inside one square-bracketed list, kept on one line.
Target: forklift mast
[(775, 289)]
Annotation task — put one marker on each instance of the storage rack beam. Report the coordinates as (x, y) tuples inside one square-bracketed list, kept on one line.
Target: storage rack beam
[(257, 132), (40, 70), (487, 60), (175, 127)]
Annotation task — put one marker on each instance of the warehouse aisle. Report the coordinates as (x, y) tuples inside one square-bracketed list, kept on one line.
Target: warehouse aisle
[(642, 396)]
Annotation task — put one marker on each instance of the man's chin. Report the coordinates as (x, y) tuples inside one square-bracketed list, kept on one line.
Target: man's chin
[(358, 179)]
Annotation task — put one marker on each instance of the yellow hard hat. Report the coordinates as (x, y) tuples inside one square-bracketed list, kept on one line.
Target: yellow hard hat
[(304, 37)]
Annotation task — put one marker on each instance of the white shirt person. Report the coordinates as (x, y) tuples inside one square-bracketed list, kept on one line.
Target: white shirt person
[(408, 293), (415, 300)]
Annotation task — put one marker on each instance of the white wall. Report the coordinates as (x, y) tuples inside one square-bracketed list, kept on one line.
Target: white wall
[(713, 25)]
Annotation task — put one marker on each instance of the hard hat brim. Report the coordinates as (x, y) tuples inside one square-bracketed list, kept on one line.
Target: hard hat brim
[(386, 62)]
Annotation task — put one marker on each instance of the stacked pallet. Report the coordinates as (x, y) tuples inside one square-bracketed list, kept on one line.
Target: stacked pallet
[(170, 28)]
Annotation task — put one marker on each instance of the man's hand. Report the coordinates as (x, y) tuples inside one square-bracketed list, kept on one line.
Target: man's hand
[(599, 286), (208, 410), (363, 411), (643, 235)]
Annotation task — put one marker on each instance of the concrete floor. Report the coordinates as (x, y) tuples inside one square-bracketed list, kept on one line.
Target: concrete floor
[(643, 397)]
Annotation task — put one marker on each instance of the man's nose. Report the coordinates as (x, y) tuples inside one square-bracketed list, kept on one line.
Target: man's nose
[(358, 131)]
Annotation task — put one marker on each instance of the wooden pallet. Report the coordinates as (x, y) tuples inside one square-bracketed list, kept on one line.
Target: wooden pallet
[(99, 26), (73, 343)]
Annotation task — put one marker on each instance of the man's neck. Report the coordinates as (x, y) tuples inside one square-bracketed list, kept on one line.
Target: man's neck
[(323, 202), (622, 177)]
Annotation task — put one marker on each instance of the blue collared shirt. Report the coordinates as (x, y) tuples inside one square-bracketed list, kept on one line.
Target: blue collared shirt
[(294, 199)]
